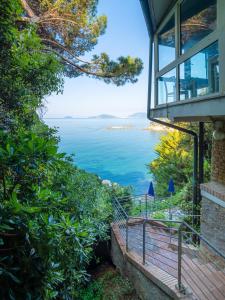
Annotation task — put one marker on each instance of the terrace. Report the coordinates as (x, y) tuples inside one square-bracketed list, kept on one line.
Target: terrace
[(175, 258)]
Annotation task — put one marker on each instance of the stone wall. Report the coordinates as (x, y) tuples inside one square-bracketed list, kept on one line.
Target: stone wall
[(218, 161), (213, 193), (213, 223), (145, 288)]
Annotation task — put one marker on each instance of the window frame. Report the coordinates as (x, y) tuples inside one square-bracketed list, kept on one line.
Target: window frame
[(216, 35)]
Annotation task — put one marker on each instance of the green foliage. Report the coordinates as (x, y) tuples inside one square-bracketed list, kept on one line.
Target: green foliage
[(159, 215), (70, 29), (55, 212), (110, 285), (175, 159), (156, 206), (26, 73), (51, 213)]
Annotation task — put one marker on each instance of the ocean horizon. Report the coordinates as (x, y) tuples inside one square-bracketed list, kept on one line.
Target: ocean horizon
[(117, 149)]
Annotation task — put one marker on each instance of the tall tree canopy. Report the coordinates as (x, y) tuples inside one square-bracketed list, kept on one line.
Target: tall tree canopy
[(49, 209), (70, 29)]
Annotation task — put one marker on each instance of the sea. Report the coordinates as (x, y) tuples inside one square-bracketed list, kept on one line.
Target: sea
[(118, 150)]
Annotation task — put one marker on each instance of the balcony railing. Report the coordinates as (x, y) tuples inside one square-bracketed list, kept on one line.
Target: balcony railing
[(176, 248)]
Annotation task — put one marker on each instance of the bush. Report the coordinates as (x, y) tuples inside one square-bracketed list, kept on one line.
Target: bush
[(109, 285), (52, 215)]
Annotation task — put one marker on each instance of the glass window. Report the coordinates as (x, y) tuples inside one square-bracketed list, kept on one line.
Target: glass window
[(198, 19), (153, 81), (166, 43), (167, 87), (199, 75)]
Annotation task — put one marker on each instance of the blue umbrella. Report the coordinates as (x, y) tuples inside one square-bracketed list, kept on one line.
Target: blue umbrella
[(171, 188), (151, 190)]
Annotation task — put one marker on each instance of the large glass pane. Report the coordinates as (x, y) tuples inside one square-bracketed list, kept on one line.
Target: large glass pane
[(167, 87), (166, 43), (199, 75), (198, 19)]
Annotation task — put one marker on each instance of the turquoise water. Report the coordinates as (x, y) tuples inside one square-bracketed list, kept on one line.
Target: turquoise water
[(119, 155)]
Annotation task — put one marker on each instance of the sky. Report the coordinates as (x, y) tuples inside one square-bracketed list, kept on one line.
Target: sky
[(126, 34)]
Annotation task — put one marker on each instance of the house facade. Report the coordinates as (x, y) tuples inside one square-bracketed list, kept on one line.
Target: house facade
[(187, 84)]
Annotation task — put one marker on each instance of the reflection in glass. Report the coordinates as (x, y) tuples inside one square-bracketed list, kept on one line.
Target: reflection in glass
[(166, 43), (198, 19), (167, 87), (199, 75)]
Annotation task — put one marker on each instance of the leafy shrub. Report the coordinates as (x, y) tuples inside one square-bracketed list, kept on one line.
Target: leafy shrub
[(51, 213), (109, 286), (175, 159), (54, 212)]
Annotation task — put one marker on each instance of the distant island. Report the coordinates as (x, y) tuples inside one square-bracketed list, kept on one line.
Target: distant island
[(103, 116), (68, 117), (139, 115)]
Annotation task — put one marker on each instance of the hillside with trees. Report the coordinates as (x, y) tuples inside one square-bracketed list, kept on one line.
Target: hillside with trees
[(53, 215)]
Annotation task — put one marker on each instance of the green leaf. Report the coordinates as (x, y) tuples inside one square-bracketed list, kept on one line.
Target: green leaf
[(13, 277), (5, 227), (11, 295)]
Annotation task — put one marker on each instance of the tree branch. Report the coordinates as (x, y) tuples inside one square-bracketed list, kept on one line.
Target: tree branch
[(81, 69), (66, 50), (28, 9), (47, 20), (24, 19)]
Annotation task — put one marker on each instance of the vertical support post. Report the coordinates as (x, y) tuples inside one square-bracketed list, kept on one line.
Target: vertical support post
[(143, 241), (200, 166), (127, 234), (114, 209), (180, 287), (140, 206), (150, 207), (201, 152), (195, 182), (146, 206), (170, 213)]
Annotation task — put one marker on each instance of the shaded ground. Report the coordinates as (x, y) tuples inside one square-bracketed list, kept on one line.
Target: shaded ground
[(108, 284)]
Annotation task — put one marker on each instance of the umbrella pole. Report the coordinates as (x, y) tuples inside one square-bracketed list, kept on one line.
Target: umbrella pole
[(170, 214), (146, 207)]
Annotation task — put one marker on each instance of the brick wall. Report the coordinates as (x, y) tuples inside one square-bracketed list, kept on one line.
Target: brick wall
[(213, 200), (212, 223), (218, 161)]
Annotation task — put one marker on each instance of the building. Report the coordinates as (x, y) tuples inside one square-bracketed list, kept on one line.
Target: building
[(187, 83)]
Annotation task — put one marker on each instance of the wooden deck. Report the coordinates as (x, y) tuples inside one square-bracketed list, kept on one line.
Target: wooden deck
[(201, 277)]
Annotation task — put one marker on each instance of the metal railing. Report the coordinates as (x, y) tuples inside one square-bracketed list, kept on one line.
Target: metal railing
[(175, 247), (145, 206)]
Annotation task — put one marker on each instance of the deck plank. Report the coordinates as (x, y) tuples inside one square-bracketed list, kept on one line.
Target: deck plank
[(202, 278)]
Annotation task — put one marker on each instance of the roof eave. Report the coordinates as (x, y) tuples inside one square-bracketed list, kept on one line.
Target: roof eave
[(147, 16)]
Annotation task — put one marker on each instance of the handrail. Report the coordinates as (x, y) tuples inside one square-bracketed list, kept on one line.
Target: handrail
[(189, 227), (121, 207), (203, 239), (180, 236), (181, 222)]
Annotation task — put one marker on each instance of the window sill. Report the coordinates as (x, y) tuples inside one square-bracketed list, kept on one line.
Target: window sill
[(192, 100)]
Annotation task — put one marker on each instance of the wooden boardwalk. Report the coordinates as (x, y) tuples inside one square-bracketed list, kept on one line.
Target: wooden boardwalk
[(201, 277)]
